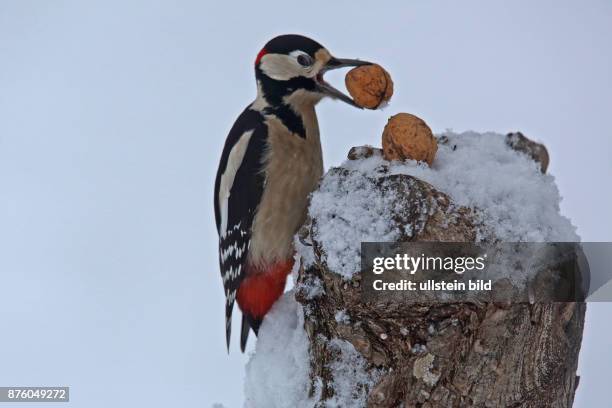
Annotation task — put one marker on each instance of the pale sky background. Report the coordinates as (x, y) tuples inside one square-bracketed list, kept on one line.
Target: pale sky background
[(112, 118)]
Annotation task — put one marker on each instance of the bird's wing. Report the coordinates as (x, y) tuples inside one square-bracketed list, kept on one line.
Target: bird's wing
[(238, 189)]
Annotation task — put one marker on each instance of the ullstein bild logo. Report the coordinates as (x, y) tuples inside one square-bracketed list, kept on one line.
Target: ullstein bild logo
[(425, 272)]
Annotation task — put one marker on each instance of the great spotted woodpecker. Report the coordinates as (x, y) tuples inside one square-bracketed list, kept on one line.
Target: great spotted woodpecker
[(270, 163)]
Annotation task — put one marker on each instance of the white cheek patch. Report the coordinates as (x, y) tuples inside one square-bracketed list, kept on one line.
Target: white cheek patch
[(280, 67), (227, 178)]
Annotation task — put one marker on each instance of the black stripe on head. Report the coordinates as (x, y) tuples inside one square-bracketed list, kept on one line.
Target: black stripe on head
[(284, 44)]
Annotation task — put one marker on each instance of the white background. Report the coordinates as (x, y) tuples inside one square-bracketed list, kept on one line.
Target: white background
[(112, 118)]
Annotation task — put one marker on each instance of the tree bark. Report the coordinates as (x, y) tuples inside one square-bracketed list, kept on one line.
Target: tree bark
[(441, 355)]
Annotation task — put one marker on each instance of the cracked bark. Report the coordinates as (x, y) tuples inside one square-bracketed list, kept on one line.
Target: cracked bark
[(443, 355)]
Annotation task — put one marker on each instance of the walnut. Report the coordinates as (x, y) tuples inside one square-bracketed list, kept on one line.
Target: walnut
[(408, 137), (369, 85)]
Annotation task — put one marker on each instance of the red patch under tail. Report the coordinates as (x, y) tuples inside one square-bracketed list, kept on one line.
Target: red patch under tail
[(262, 287)]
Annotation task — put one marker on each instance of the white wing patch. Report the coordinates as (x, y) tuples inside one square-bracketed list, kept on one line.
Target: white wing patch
[(227, 178)]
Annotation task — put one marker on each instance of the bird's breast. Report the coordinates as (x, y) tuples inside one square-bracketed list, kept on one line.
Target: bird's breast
[(293, 167)]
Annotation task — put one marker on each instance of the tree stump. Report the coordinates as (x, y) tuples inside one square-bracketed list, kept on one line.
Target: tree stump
[(436, 355)]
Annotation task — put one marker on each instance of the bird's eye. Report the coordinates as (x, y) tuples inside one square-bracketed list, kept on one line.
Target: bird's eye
[(304, 60)]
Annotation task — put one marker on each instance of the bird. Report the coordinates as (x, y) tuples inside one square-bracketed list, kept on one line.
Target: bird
[(270, 163)]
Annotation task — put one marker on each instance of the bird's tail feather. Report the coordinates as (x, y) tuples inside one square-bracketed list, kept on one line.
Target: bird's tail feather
[(244, 333), (229, 306), (248, 323)]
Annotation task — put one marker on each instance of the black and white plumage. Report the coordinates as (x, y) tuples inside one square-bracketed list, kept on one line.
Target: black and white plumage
[(238, 190), (270, 163)]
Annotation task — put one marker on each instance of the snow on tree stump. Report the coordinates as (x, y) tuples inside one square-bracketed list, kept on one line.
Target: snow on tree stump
[(398, 353)]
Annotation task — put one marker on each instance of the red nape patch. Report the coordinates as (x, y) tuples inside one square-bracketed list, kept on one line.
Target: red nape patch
[(260, 56), (262, 287)]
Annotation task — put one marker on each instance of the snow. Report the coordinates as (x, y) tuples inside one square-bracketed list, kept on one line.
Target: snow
[(342, 317), (305, 252), (311, 288), (351, 380), (349, 210), (277, 375), (517, 203)]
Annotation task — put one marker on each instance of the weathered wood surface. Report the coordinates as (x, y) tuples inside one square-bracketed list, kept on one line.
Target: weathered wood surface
[(443, 355)]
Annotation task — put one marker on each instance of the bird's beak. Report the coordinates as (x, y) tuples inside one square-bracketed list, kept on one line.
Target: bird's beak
[(327, 89)]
